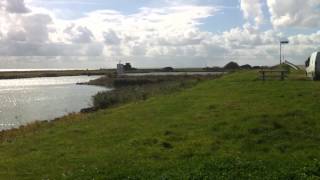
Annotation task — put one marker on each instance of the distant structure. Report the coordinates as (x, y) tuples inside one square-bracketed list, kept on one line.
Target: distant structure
[(120, 69), (291, 65)]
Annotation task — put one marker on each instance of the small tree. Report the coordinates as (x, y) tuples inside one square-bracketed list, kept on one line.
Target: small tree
[(232, 65), (246, 66), (168, 69), (127, 67)]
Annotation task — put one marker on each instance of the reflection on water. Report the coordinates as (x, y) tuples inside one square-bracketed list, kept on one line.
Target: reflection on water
[(25, 100)]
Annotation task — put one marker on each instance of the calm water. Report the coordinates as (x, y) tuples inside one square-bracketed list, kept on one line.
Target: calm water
[(29, 70), (26, 100)]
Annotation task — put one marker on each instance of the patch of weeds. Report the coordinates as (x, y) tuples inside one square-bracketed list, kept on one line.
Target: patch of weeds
[(261, 141), (300, 94), (221, 124), (212, 107), (215, 146), (235, 127), (232, 106), (166, 145), (215, 129), (259, 130), (240, 136), (265, 118), (265, 149), (144, 142), (248, 145), (313, 170), (283, 148), (168, 133), (308, 123), (187, 154), (171, 136), (156, 156), (293, 114), (79, 131), (277, 125), (175, 126)]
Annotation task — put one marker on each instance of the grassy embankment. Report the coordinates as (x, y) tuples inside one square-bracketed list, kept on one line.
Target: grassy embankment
[(236, 127), (33, 74), (127, 89)]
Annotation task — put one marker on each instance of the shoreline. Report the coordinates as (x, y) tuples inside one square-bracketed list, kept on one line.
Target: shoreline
[(32, 126)]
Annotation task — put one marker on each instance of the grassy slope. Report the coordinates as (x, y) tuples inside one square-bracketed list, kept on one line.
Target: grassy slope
[(235, 127)]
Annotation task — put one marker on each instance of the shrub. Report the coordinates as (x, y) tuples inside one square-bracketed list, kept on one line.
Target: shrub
[(140, 88), (104, 100), (168, 69), (231, 65)]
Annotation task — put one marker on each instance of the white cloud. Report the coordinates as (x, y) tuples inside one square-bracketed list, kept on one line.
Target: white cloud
[(14, 6), (79, 34), (252, 11), (170, 35), (294, 13), (311, 39)]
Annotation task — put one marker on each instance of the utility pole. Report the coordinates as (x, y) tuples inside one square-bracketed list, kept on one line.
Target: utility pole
[(282, 42), (280, 54)]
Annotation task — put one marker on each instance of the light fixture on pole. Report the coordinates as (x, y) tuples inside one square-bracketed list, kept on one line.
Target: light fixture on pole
[(282, 42)]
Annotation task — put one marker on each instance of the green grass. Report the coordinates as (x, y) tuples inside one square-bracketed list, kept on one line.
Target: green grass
[(129, 89), (235, 127)]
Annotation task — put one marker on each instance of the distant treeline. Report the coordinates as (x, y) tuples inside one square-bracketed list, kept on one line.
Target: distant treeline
[(232, 66), (229, 66)]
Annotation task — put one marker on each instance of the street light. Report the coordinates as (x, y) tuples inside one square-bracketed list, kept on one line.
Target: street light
[(282, 42)]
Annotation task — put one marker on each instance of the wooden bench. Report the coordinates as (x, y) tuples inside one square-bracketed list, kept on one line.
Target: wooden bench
[(281, 74)]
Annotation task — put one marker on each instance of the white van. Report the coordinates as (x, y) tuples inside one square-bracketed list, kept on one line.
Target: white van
[(313, 66)]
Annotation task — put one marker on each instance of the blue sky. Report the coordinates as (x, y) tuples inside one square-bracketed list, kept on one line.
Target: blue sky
[(155, 33), (73, 9)]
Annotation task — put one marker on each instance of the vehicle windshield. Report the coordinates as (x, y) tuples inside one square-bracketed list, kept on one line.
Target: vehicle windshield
[(308, 62), (318, 60)]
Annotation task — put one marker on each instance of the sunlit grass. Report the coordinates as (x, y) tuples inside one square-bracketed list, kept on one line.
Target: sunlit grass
[(235, 127)]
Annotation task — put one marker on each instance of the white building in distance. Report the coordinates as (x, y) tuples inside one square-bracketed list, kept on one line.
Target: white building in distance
[(120, 69)]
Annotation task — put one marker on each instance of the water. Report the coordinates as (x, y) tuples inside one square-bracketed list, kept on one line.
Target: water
[(31, 70), (23, 101)]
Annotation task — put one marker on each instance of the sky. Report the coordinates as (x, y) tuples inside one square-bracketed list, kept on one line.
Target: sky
[(155, 33)]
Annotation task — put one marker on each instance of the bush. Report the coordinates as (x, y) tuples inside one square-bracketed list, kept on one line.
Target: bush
[(232, 66), (130, 89), (246, 66), (104, 100), (167, 69)]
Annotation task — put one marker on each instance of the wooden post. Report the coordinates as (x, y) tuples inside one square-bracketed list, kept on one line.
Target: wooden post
[(263, 76), (282, 75)]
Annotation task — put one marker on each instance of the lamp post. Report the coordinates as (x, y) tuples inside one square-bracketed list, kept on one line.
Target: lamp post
[(282, 42)]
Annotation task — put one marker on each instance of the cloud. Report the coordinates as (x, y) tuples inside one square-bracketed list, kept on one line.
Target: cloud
[(303, 39), (294, 13), (111, 38), (252, 11), (172, 34), (79, 34), (14, 6)]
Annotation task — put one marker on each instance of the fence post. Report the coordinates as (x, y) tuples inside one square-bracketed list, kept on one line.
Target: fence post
[(282, 75)]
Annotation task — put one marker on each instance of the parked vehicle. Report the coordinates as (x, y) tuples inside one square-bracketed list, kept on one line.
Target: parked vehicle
[(313, 66)]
